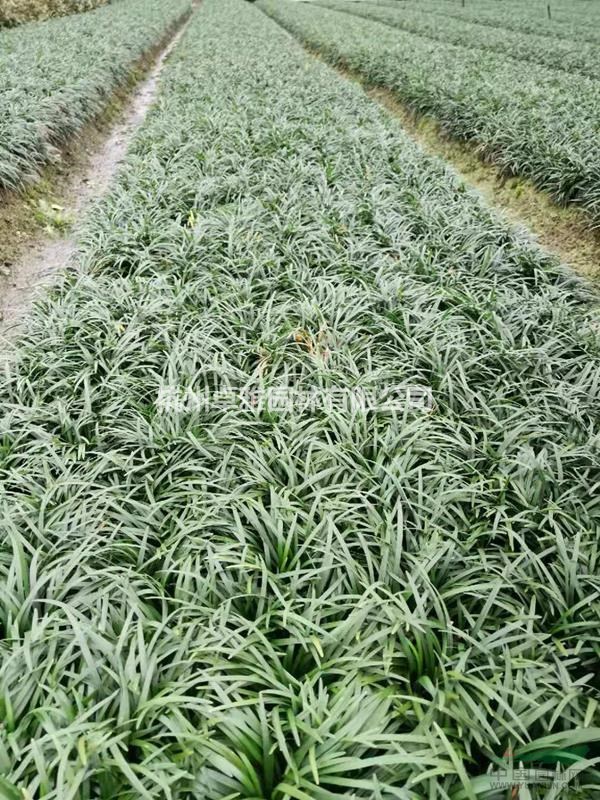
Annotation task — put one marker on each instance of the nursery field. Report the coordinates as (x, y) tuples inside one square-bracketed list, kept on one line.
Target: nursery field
[(208, 596), (59, 74), (569, 19), (528, 119)]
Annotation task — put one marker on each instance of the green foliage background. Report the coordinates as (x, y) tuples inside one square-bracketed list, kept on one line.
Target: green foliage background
[(14, 12)]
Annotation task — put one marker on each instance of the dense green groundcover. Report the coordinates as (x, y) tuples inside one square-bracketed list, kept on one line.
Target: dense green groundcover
[(528, 119), (578, 20), (572, 56), (236, 603), (59, 74)]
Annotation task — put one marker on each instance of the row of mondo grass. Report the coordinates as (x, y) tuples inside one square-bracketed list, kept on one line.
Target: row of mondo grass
[(577, 21), (562, 54), (15, 12), (59, 74), (237, 603), (526, 118)]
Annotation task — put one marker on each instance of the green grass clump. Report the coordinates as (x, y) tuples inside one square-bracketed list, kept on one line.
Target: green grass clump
[(59, 74), (228, 603), (527, 119)]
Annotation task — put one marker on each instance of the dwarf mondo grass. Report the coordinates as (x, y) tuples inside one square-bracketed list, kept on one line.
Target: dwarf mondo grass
[(237, 602), (572, 56), (59, 74), (578, 22), (525, 118)]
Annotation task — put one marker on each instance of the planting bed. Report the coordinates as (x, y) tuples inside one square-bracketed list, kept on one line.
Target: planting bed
[(526, 118), (59, 74)]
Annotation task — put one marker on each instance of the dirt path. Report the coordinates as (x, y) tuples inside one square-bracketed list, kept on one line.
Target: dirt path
[(40, 258)]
